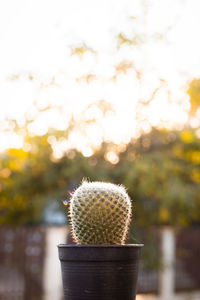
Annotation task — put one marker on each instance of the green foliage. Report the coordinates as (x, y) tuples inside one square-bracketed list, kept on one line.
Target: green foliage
[(161, 171), (100, 213)]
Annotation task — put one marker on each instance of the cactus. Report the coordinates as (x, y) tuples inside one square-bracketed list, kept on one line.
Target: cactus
[(100, 213)]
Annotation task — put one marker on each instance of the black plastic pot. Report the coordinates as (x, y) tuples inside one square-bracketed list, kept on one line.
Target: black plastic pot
[(98, 272)]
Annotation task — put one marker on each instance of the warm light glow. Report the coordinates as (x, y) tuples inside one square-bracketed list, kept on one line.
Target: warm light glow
[(146, 297), (39, 71), (10, 139), (112, 157)]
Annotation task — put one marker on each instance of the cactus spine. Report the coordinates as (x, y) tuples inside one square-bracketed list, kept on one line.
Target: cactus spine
[(100, 213)]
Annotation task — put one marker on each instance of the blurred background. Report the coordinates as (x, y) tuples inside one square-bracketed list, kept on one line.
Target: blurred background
[(108, 91)]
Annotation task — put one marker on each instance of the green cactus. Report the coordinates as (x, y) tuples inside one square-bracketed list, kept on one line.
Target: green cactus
[(100, 213)]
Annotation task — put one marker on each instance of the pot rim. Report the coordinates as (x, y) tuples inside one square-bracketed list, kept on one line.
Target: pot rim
[(99, 246)]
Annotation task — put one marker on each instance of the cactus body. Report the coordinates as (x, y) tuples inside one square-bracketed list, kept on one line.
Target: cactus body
[(100, 213)]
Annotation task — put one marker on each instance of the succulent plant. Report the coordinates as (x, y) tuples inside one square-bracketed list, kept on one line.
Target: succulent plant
[(99, 213)]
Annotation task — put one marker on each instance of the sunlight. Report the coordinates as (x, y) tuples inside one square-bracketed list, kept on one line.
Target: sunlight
[(112, 157), (45, 81), (10, 140)]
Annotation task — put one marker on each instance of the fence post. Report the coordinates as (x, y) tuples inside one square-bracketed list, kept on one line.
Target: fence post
[(167, 274), (52, 281)]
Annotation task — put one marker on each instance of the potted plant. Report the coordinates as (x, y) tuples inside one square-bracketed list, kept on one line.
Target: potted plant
[(100, 266)]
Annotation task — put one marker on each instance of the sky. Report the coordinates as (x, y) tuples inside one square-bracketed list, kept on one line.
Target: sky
[(39, 72)]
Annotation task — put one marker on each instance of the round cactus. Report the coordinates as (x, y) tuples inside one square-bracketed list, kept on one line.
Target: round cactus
[(100, 213)]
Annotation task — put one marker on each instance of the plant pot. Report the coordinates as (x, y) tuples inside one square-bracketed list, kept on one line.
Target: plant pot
[(99, 272)]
